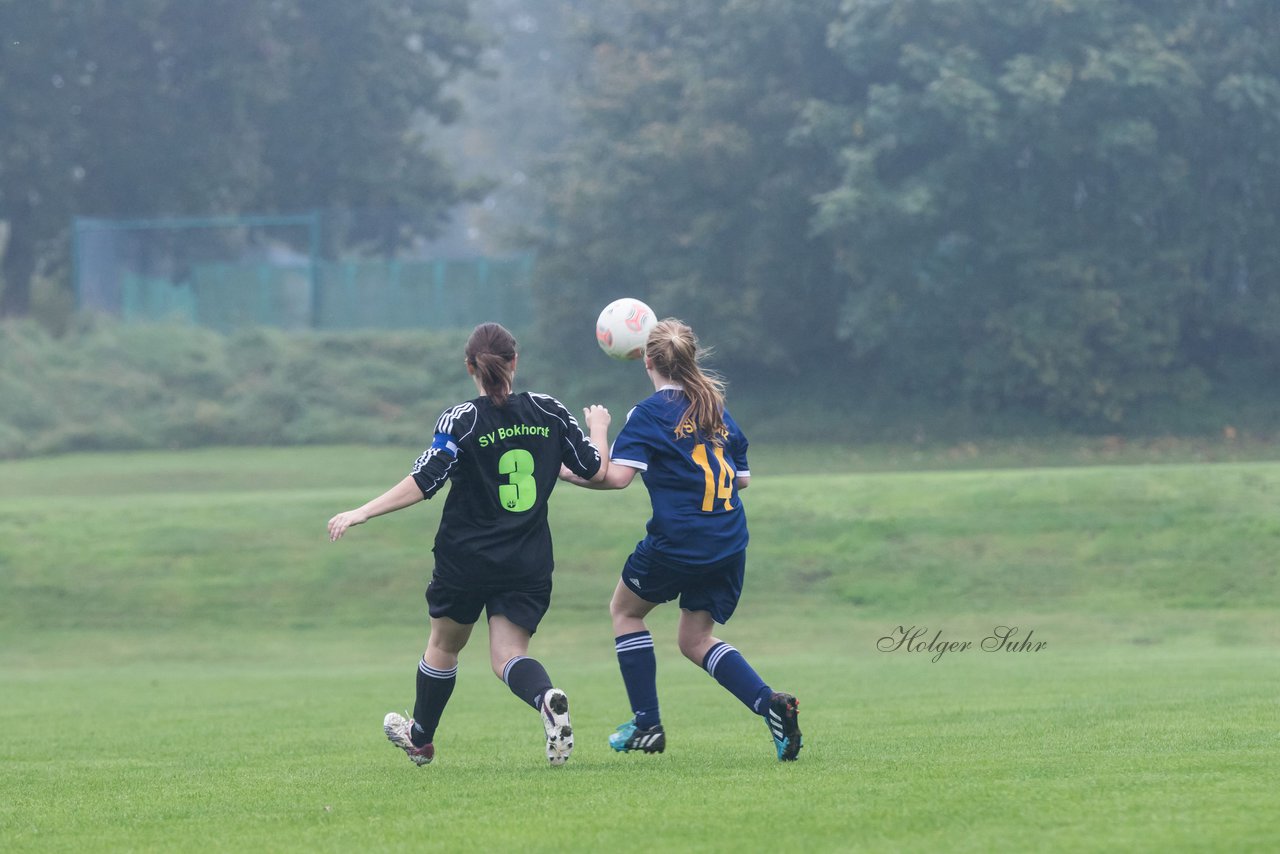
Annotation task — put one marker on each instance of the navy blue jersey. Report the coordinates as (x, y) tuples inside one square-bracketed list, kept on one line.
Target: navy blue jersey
[(697, 514), (503, 463)]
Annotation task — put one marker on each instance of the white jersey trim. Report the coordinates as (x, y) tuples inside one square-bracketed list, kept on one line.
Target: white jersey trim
[(564, 417), (450, 417)]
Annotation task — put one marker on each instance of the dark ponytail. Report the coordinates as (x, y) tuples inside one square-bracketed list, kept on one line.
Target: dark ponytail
[(491, 352)]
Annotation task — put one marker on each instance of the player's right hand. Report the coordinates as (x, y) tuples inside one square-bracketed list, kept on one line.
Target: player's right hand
[(338, 524), (596, 415)]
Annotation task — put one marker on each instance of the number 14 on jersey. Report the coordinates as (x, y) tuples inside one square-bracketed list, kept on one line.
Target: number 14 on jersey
[(718, 476)]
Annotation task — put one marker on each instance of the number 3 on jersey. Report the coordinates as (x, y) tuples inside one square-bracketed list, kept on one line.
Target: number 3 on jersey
[(718, 485), (521, 490)]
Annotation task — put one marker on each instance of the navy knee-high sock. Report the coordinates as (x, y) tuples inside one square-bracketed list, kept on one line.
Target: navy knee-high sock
[(434, 690), (731, 670), (639, 668)]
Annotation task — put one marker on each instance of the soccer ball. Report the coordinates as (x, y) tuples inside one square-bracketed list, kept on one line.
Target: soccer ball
[(623, 328)]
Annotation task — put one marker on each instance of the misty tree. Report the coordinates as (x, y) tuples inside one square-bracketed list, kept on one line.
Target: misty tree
[(1063, 205), (147, 107), (683, 185), (516, 111), (1068, 207), (360, 82)]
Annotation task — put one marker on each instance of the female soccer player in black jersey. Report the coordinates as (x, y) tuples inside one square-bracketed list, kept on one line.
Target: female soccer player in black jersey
[(692, 457), (503, 452)]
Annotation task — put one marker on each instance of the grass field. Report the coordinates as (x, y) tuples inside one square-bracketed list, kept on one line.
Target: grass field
[(187, 664)]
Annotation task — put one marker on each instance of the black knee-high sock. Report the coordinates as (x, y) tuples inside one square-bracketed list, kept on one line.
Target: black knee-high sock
[(434, 689), (527, 679)]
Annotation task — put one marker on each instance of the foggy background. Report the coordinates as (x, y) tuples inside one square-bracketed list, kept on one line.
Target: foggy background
[(896, 219)]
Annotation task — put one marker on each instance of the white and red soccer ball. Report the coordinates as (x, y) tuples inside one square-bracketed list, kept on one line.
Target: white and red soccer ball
[(623, 328)]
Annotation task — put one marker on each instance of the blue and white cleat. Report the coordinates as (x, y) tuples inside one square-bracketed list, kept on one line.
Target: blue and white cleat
[(783, 718), (628, 738)]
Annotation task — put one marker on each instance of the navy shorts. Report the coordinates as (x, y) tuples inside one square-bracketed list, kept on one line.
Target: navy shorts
[(714, 587), (523, 605)]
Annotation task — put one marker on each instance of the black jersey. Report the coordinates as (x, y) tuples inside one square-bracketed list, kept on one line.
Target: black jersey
[(503, 462)]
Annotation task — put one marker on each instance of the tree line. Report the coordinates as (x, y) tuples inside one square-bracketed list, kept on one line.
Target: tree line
[(1066, 207), (142, 108)]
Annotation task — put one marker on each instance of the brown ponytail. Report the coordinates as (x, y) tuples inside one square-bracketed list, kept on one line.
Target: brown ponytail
[(673, 351), (491, 353)]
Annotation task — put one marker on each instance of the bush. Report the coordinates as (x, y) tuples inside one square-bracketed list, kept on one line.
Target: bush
[(108, 386)]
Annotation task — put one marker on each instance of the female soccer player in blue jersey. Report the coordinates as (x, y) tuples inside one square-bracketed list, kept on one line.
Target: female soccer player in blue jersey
[(503, 453), (692, 458)]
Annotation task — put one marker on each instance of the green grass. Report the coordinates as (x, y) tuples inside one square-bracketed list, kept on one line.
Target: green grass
[(187, 664)]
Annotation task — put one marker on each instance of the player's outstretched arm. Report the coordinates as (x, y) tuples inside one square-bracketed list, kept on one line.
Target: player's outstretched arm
[(403, 494), (597, 419), (617, 477)]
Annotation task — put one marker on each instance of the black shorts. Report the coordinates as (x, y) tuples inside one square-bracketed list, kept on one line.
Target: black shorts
[(523, 604)]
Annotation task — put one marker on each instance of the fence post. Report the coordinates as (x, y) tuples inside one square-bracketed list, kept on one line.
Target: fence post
[(313, 266)]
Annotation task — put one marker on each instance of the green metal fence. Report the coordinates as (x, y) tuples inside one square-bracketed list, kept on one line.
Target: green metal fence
[(439, 294), (204, 272)]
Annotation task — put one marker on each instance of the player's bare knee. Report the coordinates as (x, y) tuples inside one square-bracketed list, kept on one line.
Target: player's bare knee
[(440, 657), (617, 614), (694, 647), (623, 614), (617, 609), (500, 658)]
